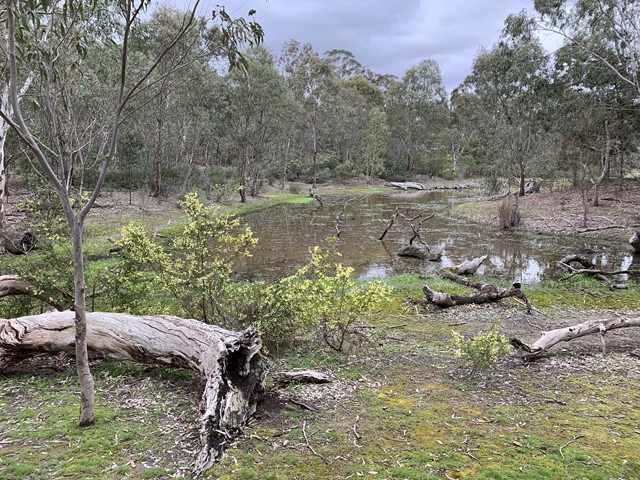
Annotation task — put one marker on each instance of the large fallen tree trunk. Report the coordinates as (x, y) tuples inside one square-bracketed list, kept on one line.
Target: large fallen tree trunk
[(230, 361), (566, 334)]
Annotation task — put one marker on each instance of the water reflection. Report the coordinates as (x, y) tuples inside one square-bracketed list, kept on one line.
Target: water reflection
[(286, 232)]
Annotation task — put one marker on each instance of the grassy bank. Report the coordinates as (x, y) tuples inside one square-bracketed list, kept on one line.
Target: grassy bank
[(400, 407)]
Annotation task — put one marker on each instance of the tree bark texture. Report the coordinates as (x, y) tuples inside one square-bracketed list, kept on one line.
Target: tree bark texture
[(634, 241), (230, 361), (566, 334), (487, 293)]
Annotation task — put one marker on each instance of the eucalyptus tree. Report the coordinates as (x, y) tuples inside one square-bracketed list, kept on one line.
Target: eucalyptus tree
[(39, 29), (466, 121), (161, 92), (606, 30), (60, 59), (512, 80), (376, 143), (314, 84), (259, 109), (417, 112), (598, 112)]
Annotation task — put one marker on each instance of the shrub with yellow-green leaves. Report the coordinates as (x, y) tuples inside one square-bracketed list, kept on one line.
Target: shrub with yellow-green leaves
[(483, 350), (195, 269), (320, 298)]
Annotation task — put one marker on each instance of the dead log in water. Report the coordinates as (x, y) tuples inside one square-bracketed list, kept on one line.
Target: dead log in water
[(230, 361), (589, 269)]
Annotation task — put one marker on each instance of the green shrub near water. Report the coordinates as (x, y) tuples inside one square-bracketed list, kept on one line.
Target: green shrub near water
[(483, 350)]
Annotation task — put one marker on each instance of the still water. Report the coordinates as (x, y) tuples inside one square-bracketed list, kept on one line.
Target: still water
[(286, 232)]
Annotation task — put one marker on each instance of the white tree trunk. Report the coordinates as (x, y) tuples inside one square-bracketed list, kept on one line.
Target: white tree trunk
[(230, 361)]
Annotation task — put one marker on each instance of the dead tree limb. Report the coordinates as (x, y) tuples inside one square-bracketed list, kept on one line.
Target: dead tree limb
[(609, 227), (391, 222), (487, 292), (230, 361), (589, 269), (566, 334), (316, 197), (14, 285), (489, 295), (341, 214), (415, 228)]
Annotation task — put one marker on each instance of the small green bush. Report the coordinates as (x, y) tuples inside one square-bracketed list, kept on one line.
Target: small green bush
[(483, 350)]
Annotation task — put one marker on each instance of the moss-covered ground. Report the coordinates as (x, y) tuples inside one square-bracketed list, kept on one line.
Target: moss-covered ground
[(400, 407)]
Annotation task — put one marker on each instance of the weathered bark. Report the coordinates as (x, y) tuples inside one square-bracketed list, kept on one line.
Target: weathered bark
[(566, 334), (14, 285), (302, 376), (634, 241), (487, 293), (532, 187), (468, 267), (406, 185), (230, 361)]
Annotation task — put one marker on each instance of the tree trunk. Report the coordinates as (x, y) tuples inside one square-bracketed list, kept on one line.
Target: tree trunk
[(635, 241), (230, 361), (244, 168), (4, 129), (87, 400), (521, 185)]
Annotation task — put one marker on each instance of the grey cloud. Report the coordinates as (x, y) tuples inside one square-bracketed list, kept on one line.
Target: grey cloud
[(389, 37)]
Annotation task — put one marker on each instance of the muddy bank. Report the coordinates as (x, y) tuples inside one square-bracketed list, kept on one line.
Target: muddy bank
[(560, 212)]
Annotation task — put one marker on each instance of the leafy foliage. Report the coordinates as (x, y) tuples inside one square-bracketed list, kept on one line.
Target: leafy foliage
[(196, 268), (320, 298), (483, 350)]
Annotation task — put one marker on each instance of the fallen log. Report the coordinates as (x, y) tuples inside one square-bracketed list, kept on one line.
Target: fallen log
[(302, 376), (406, 185), (230, 361), (490, 294), (589, 269), (19, 244), (487, 293), (14, 285), (566, 334), (468, 267)]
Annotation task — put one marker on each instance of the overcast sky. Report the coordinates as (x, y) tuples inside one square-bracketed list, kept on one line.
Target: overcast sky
[(389, 36)]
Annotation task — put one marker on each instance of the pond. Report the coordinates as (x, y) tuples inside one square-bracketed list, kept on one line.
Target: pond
[(287, 231)]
